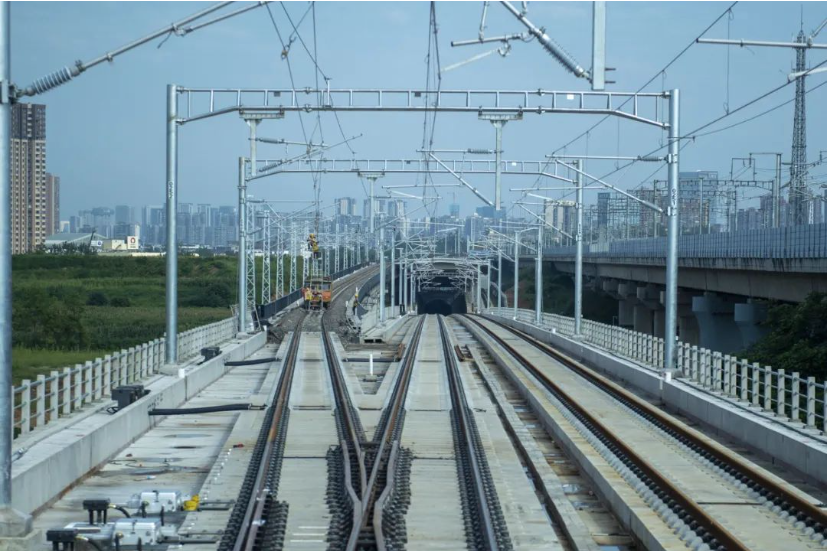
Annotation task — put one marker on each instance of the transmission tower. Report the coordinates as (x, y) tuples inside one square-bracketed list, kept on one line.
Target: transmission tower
[(798, 166)]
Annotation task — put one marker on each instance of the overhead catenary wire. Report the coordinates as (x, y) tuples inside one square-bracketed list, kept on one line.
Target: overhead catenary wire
[(660, 72)]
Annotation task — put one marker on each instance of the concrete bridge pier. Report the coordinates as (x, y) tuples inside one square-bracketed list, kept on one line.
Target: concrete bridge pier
[(688, 330), (626, 302), (649, 314), (748, 317), (716, 322)]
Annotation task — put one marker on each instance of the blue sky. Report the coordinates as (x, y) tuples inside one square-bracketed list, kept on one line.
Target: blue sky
[(106, 128)]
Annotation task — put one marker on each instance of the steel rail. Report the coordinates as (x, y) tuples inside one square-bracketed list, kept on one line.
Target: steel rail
[(385, 436), (742, 467), (466, 432), (720, 533), (254, 513), (352, 434)]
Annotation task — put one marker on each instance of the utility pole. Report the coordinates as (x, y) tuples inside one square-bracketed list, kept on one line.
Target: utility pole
[(578, 260), (393, 272), (171, 343), (538, 278), (671, 294), (242, 247), (516, 271), (499, 277), (381, 250)]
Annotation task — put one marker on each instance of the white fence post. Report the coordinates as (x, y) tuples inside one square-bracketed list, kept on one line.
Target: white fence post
[(86, 393), (40, 419), (811, 402), (67, 390), (25, 407), (54, 396), (782, 385)]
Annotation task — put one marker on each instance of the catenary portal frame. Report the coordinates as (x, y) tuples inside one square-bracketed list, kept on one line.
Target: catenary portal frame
[(258, 104)]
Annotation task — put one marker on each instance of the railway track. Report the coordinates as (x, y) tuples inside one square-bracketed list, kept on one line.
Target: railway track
[(367, 466), (259, 523), (485, 525), (629, 431)]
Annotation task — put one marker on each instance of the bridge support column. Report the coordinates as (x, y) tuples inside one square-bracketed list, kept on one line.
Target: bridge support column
[(642, 319), (718, 330), (627, 300), (645, 312), (659, 323), (748, 318)]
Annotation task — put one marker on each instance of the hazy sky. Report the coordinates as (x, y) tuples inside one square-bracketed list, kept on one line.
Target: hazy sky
[(106, 129)]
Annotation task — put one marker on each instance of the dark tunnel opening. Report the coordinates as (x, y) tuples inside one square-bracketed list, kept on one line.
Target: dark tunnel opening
[(436, 307), (441, 305)]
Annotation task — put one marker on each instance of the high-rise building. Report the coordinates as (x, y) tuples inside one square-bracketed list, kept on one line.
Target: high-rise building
[(453, 210), (122, 214), (603, 208), (561, 215), (28, 177), (52, 204), (345, 206)]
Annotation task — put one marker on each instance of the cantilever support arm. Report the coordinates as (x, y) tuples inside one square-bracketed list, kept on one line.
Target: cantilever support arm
[(610, 186), (462, 181), (542, 221)]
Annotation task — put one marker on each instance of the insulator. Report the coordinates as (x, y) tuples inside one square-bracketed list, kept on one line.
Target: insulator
[(561, 55), (53, 80)]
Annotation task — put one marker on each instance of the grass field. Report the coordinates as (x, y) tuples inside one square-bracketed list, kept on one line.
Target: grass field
[(73, 308)]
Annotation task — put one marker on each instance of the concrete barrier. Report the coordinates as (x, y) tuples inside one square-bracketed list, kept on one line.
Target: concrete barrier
[(789, 444), (54, 464)]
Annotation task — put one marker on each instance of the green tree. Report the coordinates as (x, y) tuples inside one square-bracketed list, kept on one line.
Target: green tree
[(797, 340)]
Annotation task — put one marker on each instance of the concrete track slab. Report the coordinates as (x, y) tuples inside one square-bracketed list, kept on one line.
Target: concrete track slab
[(434, 519), (674, 461), (178, 454)]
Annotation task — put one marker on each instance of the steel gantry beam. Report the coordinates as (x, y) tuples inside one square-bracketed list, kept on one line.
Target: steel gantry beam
[(381, 167), (202, 103)]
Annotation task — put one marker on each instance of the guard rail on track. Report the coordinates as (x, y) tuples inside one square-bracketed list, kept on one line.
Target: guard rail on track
[(786, 395), (43, 401)]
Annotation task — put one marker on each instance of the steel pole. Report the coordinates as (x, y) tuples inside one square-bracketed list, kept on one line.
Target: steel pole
[(242, 248), (499, 278), (381, 250), (776, 193), (393, 273), (671, 302), (488, 284), (516, 271), (478, 293), (172, 237), (6, 396), (538, 278), (578, 258), (498, 131)]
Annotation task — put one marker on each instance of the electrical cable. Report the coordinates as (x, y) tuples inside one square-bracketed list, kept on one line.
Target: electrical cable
[(654, 77), (122, 510), (198, 411), (661, 73)]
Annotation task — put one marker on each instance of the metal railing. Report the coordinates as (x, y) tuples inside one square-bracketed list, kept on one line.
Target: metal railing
[(785, 395), (48, 398), (806, 241)]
